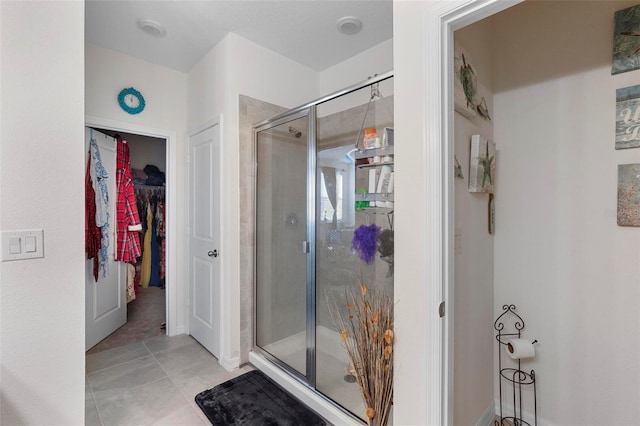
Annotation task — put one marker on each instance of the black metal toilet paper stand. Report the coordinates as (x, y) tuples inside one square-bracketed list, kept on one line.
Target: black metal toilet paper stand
[(509, 325)]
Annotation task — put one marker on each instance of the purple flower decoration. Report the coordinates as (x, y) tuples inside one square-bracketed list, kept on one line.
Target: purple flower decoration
[(365, 242)]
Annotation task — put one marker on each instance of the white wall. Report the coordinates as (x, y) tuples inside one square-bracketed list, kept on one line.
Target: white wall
[(165, 91), (207, 86), (376, 60), (414, 321), (237, 66), (559, 254), (474, 340), (42, 186)]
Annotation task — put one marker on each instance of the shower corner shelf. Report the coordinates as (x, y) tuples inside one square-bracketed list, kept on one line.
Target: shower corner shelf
[(375, 210), (369, 153), (384, 163), (374, 197)]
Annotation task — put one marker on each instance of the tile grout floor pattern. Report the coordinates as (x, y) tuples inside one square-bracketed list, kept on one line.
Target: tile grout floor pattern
[(145, 315), (150, 382)]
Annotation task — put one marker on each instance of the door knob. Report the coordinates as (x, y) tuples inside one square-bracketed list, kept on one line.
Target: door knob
[(213, 253)]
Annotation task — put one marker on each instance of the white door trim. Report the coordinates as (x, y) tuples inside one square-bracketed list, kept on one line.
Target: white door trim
[(172, 282), (442, 18)]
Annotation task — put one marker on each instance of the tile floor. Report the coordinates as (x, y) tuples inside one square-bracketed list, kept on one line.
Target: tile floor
[(145, 316), (151, 382)]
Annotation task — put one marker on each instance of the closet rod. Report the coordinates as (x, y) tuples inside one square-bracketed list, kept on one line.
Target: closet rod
[(152, 187)]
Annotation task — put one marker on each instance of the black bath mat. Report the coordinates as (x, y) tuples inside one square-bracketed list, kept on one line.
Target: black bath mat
[(253, 399)]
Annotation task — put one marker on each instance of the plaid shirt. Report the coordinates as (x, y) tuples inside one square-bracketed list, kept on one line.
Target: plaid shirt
[(92, 234), (127, 219)]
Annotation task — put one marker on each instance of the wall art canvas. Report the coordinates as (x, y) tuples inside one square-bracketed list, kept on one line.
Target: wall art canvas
[(626, 40), (465, 83), (629, 195), (628, 117), (482, 165)]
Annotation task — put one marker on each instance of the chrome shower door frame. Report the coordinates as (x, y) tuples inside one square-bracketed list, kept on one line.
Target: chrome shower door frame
[(309, 112)]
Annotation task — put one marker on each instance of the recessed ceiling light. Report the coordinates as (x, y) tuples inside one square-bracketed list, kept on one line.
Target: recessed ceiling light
[(349, 25), (151, 27)]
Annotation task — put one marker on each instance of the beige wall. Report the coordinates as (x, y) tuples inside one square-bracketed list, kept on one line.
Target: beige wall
[(573, 273), (147, 150), (473, 288)]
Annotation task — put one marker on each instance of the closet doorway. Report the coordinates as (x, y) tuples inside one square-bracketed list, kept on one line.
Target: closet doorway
[(147, 304)]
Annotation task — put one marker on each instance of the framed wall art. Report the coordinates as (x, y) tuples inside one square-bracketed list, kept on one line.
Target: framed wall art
[(482, 165), (465, 83), (628, 117), (626, 40), (629, 195)]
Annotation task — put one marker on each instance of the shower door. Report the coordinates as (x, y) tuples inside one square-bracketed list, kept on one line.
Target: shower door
[(311, 169), (284, 255)]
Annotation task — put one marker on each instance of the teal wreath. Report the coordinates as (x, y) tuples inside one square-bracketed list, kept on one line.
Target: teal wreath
[(127, 108)]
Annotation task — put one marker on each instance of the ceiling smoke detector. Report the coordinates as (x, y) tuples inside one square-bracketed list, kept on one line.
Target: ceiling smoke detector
[(152, 28), (349, 25)]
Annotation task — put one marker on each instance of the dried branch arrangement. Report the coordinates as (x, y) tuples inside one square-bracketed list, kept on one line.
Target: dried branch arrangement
[(364, 320)]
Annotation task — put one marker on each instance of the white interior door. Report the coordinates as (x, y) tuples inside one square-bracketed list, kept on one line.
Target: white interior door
[(105, 300), (204, 238)]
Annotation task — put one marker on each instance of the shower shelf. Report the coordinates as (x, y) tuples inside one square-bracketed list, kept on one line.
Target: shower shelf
[(369, 153), (374, 197), (382, 163), (375, 210)]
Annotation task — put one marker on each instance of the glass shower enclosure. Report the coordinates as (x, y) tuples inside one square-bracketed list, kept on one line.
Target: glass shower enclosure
[(311, 172)]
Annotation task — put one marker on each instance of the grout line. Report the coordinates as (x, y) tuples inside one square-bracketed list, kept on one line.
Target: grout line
[(191, 341), (174, 384), (151, 382), (122, 363), (142, 384), (95, 403), (109, 398)]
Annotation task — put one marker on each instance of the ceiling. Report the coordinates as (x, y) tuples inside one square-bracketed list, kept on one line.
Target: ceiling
[(302, 30)]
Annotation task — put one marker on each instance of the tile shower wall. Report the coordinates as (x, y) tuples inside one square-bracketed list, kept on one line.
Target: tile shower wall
[(251, 111)]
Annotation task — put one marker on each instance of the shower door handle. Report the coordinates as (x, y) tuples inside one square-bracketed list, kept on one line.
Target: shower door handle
[(305, 247)]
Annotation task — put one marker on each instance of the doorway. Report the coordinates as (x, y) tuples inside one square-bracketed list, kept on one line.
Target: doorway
[(156, 302), (145, 278)]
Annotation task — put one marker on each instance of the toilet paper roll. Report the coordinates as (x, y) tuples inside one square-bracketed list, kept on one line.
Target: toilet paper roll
[(520, 348)]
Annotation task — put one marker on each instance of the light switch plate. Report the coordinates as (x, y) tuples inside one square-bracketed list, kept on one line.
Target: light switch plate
[(23, 244)]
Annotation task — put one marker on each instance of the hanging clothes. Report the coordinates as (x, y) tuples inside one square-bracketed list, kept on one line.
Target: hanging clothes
[(163, 242), (99, 178), (128, 222), (154, 275), (131, 276), (145, 272), (151, 206), (92, 233)]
